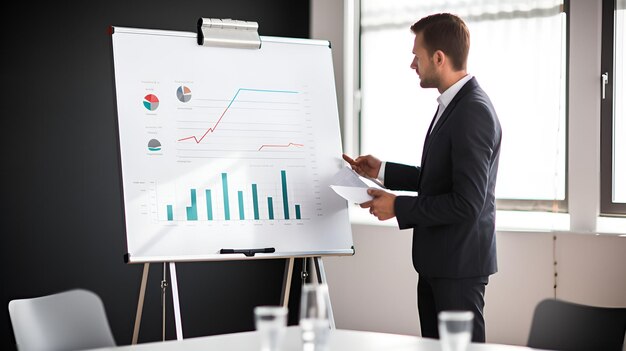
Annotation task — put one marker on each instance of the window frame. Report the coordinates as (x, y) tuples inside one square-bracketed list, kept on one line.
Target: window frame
[(607, 206)]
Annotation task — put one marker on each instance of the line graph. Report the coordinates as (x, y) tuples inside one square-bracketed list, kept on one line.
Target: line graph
[(275, 145), (212, 129)]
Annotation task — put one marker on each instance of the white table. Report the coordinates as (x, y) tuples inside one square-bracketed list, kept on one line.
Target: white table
[(340, 339)]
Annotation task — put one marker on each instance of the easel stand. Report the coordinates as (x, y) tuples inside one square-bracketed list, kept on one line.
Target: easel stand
[(320, 277), (164, 285)]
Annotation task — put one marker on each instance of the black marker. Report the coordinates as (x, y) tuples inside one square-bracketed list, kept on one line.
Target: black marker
[(248, 252)]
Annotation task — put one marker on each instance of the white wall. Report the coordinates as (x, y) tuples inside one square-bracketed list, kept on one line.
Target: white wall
[(327, 23), (376, 288)]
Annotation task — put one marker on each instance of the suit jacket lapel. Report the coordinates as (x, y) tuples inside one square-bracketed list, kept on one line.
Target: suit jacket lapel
[(428, 134), (470, 85)]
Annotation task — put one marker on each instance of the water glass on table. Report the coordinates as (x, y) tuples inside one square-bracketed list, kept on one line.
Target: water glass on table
[(314, 320), (455, 329), (271, 323)]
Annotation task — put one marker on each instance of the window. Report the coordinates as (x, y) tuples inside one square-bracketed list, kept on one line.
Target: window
[(613, 167), (517, 54)]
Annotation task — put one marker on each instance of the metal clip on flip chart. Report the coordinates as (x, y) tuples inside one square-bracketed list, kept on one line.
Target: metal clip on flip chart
[(228, 33)]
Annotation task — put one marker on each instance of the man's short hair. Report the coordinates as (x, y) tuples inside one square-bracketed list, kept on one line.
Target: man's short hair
[(448, 33)]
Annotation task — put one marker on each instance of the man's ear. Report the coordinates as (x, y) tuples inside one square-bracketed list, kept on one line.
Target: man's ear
[(439, 57)]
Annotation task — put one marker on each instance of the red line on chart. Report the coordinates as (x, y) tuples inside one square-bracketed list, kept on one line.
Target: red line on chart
[(212, 129), (287, 145)]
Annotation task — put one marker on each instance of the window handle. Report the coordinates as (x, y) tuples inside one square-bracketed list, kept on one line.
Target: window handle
[(605, 81)]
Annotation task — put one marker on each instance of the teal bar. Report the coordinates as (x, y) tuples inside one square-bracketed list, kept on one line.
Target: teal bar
[(209, 205), (283, 177), (255, 201), (225, 191), (192, 211), (270, 207), (298, 216), (240, 196), (170, 213)]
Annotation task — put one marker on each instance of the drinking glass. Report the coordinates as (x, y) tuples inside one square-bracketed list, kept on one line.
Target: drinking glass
[(314, 317), (271, 323), (455, 329)]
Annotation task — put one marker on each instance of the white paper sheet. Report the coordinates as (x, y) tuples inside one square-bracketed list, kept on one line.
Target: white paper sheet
[(353, 194), (353, 187)]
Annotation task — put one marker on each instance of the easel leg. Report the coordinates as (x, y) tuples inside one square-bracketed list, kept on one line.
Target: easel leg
[(321, 278), (163, 301), (142, 294), (304, 275), (284, 299), (179, 324)]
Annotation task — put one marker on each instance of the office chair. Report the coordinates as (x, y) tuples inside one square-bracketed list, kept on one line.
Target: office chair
[(68, 320), (567, 326)]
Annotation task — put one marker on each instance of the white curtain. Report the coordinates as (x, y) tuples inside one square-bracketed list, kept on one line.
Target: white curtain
[(517, 54)]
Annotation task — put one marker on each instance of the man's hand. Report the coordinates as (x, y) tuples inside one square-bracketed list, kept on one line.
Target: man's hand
[(382, 205), (367, 166)]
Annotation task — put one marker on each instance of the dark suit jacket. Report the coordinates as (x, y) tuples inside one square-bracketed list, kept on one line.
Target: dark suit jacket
[(453, 216)]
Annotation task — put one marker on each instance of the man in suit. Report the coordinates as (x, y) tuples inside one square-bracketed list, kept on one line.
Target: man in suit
[(453, 214)]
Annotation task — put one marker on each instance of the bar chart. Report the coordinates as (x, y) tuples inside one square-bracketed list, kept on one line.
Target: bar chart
[(229, 202)]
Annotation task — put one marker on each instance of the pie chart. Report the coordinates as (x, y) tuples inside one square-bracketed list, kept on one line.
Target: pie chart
[(151, 102), (183, 93), (154, 145)]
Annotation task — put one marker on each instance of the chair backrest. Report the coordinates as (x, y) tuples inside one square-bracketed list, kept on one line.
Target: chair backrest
[(69, 320), (562, 325)]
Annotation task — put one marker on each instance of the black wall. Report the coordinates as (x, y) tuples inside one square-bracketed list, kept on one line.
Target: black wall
[(60, 201)]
